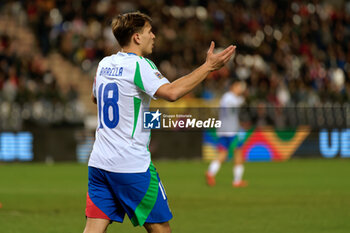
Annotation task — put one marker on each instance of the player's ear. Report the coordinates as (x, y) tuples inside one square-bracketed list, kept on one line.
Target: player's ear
[(136, 38)]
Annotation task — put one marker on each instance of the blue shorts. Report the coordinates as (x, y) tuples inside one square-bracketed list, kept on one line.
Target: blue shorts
[(225, 143), (140, 195)]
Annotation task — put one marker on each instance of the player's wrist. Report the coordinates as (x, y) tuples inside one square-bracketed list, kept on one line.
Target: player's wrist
[(208, 67)]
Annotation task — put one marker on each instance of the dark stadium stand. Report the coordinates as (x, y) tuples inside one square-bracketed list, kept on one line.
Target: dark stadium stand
[(292, 54)]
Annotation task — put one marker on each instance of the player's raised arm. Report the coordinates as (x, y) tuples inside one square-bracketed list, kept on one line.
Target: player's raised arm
[(180, 87)]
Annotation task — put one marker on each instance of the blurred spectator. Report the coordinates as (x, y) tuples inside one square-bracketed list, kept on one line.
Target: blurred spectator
[(28, 88), (260, 116), (287, 51), (25, 78), (282, 45)]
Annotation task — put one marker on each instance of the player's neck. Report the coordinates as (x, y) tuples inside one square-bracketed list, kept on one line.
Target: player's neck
[(132, 49)]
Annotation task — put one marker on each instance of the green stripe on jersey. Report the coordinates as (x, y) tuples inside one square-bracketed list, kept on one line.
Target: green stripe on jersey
[(153, 66), (137, 77), (137, 104), (146, 205), (149, 140)]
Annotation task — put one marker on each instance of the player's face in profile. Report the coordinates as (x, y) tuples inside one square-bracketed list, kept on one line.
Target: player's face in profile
[(147, 39), (238, 88)]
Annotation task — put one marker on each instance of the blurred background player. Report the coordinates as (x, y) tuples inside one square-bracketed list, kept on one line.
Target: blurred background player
[(230, 135)]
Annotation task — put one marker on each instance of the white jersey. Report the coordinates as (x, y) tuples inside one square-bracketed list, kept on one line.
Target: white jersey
[(229, 114), (124, 85)]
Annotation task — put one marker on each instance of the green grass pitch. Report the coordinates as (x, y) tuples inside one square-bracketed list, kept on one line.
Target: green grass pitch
[(295, 196)]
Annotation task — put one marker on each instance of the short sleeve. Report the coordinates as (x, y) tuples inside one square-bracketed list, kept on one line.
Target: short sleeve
[(147, 77), (94, 84), (94, 87), (229, 101)]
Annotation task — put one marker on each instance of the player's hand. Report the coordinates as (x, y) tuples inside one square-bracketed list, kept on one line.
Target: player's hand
[(216, 61)]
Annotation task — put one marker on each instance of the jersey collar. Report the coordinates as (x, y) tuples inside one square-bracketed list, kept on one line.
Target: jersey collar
[(130, 54)]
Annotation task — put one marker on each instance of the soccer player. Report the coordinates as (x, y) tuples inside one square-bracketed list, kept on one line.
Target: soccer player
[(122, 178), (230, 135)]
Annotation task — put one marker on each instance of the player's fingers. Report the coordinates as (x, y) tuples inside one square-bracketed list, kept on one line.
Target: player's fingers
[(228, 58), (211, 48), (226, 51), (229, 53)]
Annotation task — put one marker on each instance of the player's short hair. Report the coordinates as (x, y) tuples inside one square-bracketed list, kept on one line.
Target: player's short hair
[(233, 81), (125, 25)]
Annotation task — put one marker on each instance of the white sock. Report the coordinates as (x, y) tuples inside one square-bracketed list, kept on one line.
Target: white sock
[(214, 167), (238, 171)]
